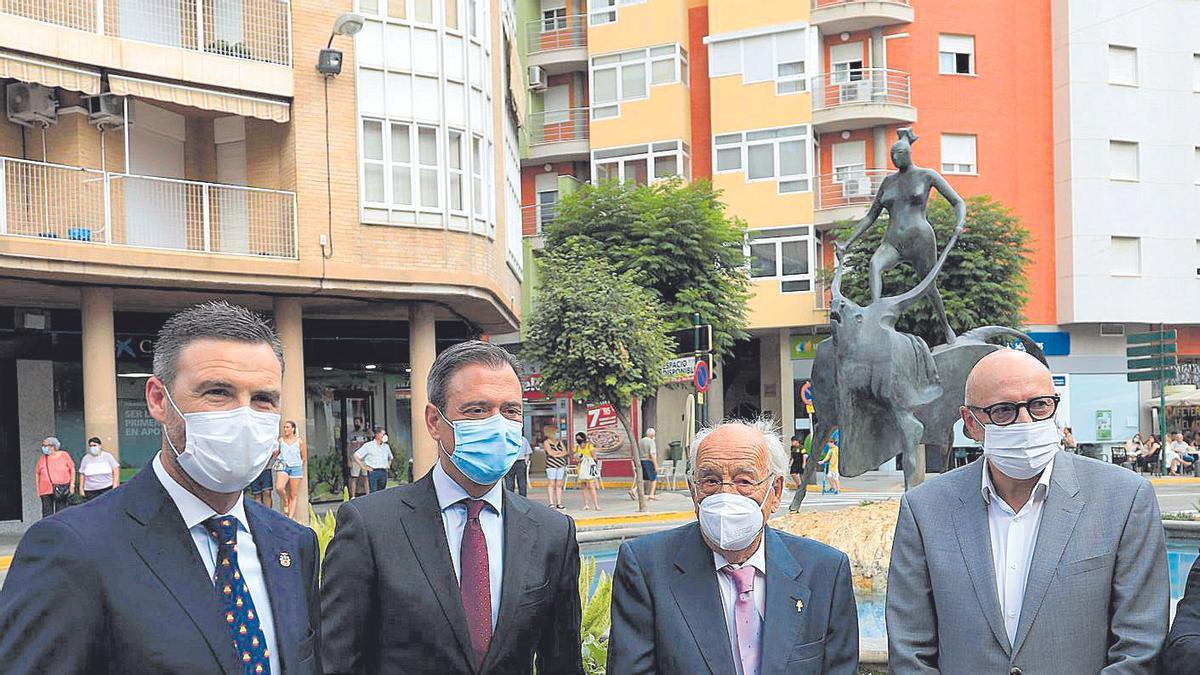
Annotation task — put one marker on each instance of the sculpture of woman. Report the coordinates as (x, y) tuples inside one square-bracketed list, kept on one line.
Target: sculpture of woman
[(909, 236)]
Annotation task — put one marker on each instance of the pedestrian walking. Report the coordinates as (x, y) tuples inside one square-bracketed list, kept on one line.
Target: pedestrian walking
[(374, 457), (291, 471), (589, 470), (358, 481), (556, 468), (55, 476), (648, 449), (797, 460), (517, 478), (99, 471)]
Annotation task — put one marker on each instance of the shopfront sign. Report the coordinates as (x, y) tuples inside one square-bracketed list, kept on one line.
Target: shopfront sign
[(134, 347), (805, 346), (680, 369), (1104, 431), (602, 416), (1053, 343)]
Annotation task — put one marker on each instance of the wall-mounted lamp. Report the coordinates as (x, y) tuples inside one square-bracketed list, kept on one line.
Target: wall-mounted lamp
[(329, 62)]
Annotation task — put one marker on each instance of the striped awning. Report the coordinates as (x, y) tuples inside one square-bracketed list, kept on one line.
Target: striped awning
[(49, 73), (205, 99)]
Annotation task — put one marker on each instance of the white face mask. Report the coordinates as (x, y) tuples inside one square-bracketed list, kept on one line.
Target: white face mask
[(732, 521), (226, 449), (94, 450), (1020, 450)]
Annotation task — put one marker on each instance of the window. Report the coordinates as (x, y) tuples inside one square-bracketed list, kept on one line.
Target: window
[(1126, 256), (958, 153), (547, 208), (455, 154), (956, 54), (1122, 65), (477, 174), (762, 58), (642, 163), (605, 11), (373, 164), (554, 15), (1198, 257), (849, 162), (767, 154), (627, 76), (786, 254), (1122, 160), (427, 162)]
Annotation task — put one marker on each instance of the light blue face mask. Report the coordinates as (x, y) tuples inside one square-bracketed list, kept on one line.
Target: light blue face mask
[(484, 450)]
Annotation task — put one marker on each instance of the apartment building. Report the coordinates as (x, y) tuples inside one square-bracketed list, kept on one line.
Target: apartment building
[(160, 152)]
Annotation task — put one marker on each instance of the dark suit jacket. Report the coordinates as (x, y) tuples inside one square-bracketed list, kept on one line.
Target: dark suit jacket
[(390, 600), (1182, 655), (667, 615), (117, 586)]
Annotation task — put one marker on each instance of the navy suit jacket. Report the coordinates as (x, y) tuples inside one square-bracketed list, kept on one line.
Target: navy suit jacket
[(117, 586), (1182, 655), (667, 615)]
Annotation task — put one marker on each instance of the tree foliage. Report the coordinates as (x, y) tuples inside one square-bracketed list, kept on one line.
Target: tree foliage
[(674, 239), (982, 282), (595, 332)]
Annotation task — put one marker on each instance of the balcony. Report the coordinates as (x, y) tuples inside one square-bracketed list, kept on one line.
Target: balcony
[(559, 44), (536, 216), (838, 16), (52, 201), (846, 193), (252, 30), (558, 136), (860, 99)]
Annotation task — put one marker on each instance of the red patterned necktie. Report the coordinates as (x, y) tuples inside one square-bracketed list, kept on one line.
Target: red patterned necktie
[(475, 581)]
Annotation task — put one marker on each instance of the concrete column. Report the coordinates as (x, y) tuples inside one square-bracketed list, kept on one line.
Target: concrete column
[(99, 367), (289, 315), (787, 416), (880, 147), (768, 369), (422, 350), (878, 49)]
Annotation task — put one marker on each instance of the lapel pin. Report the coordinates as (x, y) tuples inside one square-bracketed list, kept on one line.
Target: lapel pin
[(285, 560), (799, 605)]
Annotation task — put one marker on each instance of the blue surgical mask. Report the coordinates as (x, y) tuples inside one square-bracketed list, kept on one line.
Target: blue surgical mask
[(484, 450), (45, 450)]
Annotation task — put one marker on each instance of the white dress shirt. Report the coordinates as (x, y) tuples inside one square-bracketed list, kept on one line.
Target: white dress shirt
[(454, 518), (194, 513), (729, 593), (374, 455), (1013, 536)]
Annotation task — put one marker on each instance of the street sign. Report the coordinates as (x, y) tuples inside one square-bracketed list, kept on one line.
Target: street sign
[(806, 393), (1149, 375), (1146, 338), (701, 376), (1151, 350), (1152, 362), (685, 340), (680, 369)]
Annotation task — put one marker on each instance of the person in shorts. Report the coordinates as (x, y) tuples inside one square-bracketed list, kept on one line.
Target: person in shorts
[(260, 488), (358, 479)]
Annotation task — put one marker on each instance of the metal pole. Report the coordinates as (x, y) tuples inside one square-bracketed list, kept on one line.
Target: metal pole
[(3, 196), (1162, 398), (700, 405)]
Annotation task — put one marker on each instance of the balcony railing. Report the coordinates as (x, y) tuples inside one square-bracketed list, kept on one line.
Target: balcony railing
[(536, 216), (53, 201), (558, 126), (255, 30), (562, 32), (863, 85), (849, 186), (820, 4)]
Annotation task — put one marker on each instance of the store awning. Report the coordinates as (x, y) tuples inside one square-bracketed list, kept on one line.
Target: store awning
[(205, 99), (49, 73)]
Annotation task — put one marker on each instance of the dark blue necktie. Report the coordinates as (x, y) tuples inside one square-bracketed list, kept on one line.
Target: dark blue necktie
[(236, 604)]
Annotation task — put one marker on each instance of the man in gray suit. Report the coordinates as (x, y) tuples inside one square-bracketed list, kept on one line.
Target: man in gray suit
[(728, 595), (1028, 560)]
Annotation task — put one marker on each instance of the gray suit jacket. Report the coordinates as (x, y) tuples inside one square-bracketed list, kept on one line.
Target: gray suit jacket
[(1096, 598)]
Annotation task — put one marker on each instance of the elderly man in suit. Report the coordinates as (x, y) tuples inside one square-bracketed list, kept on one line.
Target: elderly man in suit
[(174, 572), (1028, 560), (453, 573), (729, 594)]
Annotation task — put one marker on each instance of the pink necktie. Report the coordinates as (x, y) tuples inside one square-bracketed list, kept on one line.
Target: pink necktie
[(475, 586), (745, 618)]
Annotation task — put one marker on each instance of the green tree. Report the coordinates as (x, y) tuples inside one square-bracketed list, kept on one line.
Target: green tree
[(982, 283), (597, 334), (676, 240)]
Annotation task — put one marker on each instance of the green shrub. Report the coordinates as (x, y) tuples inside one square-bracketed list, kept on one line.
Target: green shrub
[(597, 616), (326, 469), (324, 527)]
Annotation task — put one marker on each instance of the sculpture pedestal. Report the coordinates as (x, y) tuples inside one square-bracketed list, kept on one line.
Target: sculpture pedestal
[(864, 533)]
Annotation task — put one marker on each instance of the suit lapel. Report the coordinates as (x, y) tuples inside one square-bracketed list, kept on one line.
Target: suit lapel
[(166, 546), (520, 537), (1059, 516), (427, 534), (285, 585), (785, 586), (975, 540), (699, 599)]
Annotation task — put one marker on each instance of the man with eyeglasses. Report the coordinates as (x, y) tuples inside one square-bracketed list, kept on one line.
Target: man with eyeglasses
[(453, 574), (1028, 560), (728, 594)]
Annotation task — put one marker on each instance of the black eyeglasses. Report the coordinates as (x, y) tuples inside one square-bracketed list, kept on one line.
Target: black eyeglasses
[(1005, 413)]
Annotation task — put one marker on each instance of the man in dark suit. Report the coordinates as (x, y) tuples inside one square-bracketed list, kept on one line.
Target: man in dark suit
[(173, 572), (453, 573), (728, 595), (1182, 655)]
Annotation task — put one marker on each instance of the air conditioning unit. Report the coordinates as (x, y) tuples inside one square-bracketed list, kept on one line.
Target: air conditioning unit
[(106, 110), (31, 105), (537, 78), (855, 92), (1112, 329), (856, 186)]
